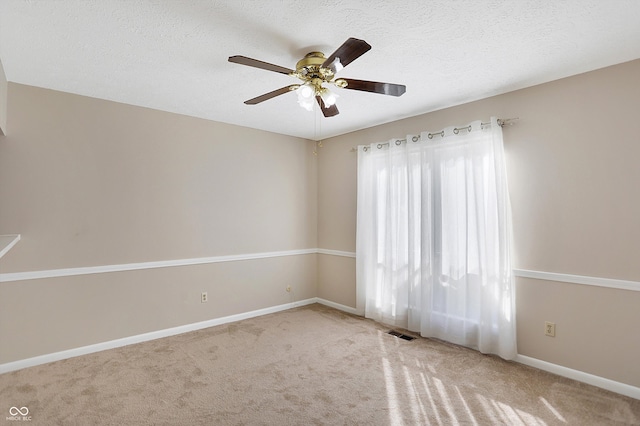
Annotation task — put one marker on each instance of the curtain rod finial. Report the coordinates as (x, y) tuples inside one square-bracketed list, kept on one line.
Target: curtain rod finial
[(507, 121)]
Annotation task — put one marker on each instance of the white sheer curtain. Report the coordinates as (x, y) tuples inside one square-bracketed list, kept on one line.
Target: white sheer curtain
[(434, 237)]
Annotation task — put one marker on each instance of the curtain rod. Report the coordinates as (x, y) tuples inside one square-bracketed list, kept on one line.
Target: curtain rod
[(501, 122)]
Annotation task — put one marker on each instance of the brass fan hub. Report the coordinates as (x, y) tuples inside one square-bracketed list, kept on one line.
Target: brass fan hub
[(310, 68)]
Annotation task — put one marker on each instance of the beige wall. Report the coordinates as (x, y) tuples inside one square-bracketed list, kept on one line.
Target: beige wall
[(49, 315), (3, 101), (96, 182), (88, 182), (573, 174)]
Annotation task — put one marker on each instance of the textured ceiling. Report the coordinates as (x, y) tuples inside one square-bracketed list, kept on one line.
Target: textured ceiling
[(172, 55)]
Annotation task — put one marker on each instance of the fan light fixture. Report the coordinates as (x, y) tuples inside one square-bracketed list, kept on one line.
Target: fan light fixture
[(308, 91), (328, 97), (306, 95)]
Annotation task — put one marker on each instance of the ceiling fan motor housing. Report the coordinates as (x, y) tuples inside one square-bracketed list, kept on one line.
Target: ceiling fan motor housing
[(310, 67)]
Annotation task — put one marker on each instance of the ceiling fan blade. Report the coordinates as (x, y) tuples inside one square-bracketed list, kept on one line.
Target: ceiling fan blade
[(329, 111), (350, 50), (243, 60), (375, 87), (268, 96)]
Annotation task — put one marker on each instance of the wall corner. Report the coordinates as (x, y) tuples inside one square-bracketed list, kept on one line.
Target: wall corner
[(3, 100)]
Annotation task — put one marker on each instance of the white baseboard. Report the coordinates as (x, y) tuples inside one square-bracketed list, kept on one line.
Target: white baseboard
[(580, 376), (338, 306), (601, 382), (112, 344)]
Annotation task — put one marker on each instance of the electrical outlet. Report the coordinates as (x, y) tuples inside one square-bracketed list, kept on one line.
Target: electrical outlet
[(203, 297), (550, 329), (288, 289)]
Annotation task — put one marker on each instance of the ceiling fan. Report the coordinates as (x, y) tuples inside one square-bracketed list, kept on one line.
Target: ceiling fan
[(314, 70)]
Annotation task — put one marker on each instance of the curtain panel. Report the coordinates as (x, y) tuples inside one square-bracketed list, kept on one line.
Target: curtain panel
[(433, 250)]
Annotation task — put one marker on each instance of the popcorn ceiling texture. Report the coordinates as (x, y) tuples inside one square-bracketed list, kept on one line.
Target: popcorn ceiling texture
[(172, 55)]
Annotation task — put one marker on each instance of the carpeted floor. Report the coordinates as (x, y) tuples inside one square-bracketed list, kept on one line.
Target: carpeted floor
[(306, 366)]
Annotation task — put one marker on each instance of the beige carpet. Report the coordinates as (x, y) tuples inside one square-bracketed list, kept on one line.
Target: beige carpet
[(307, 366)]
